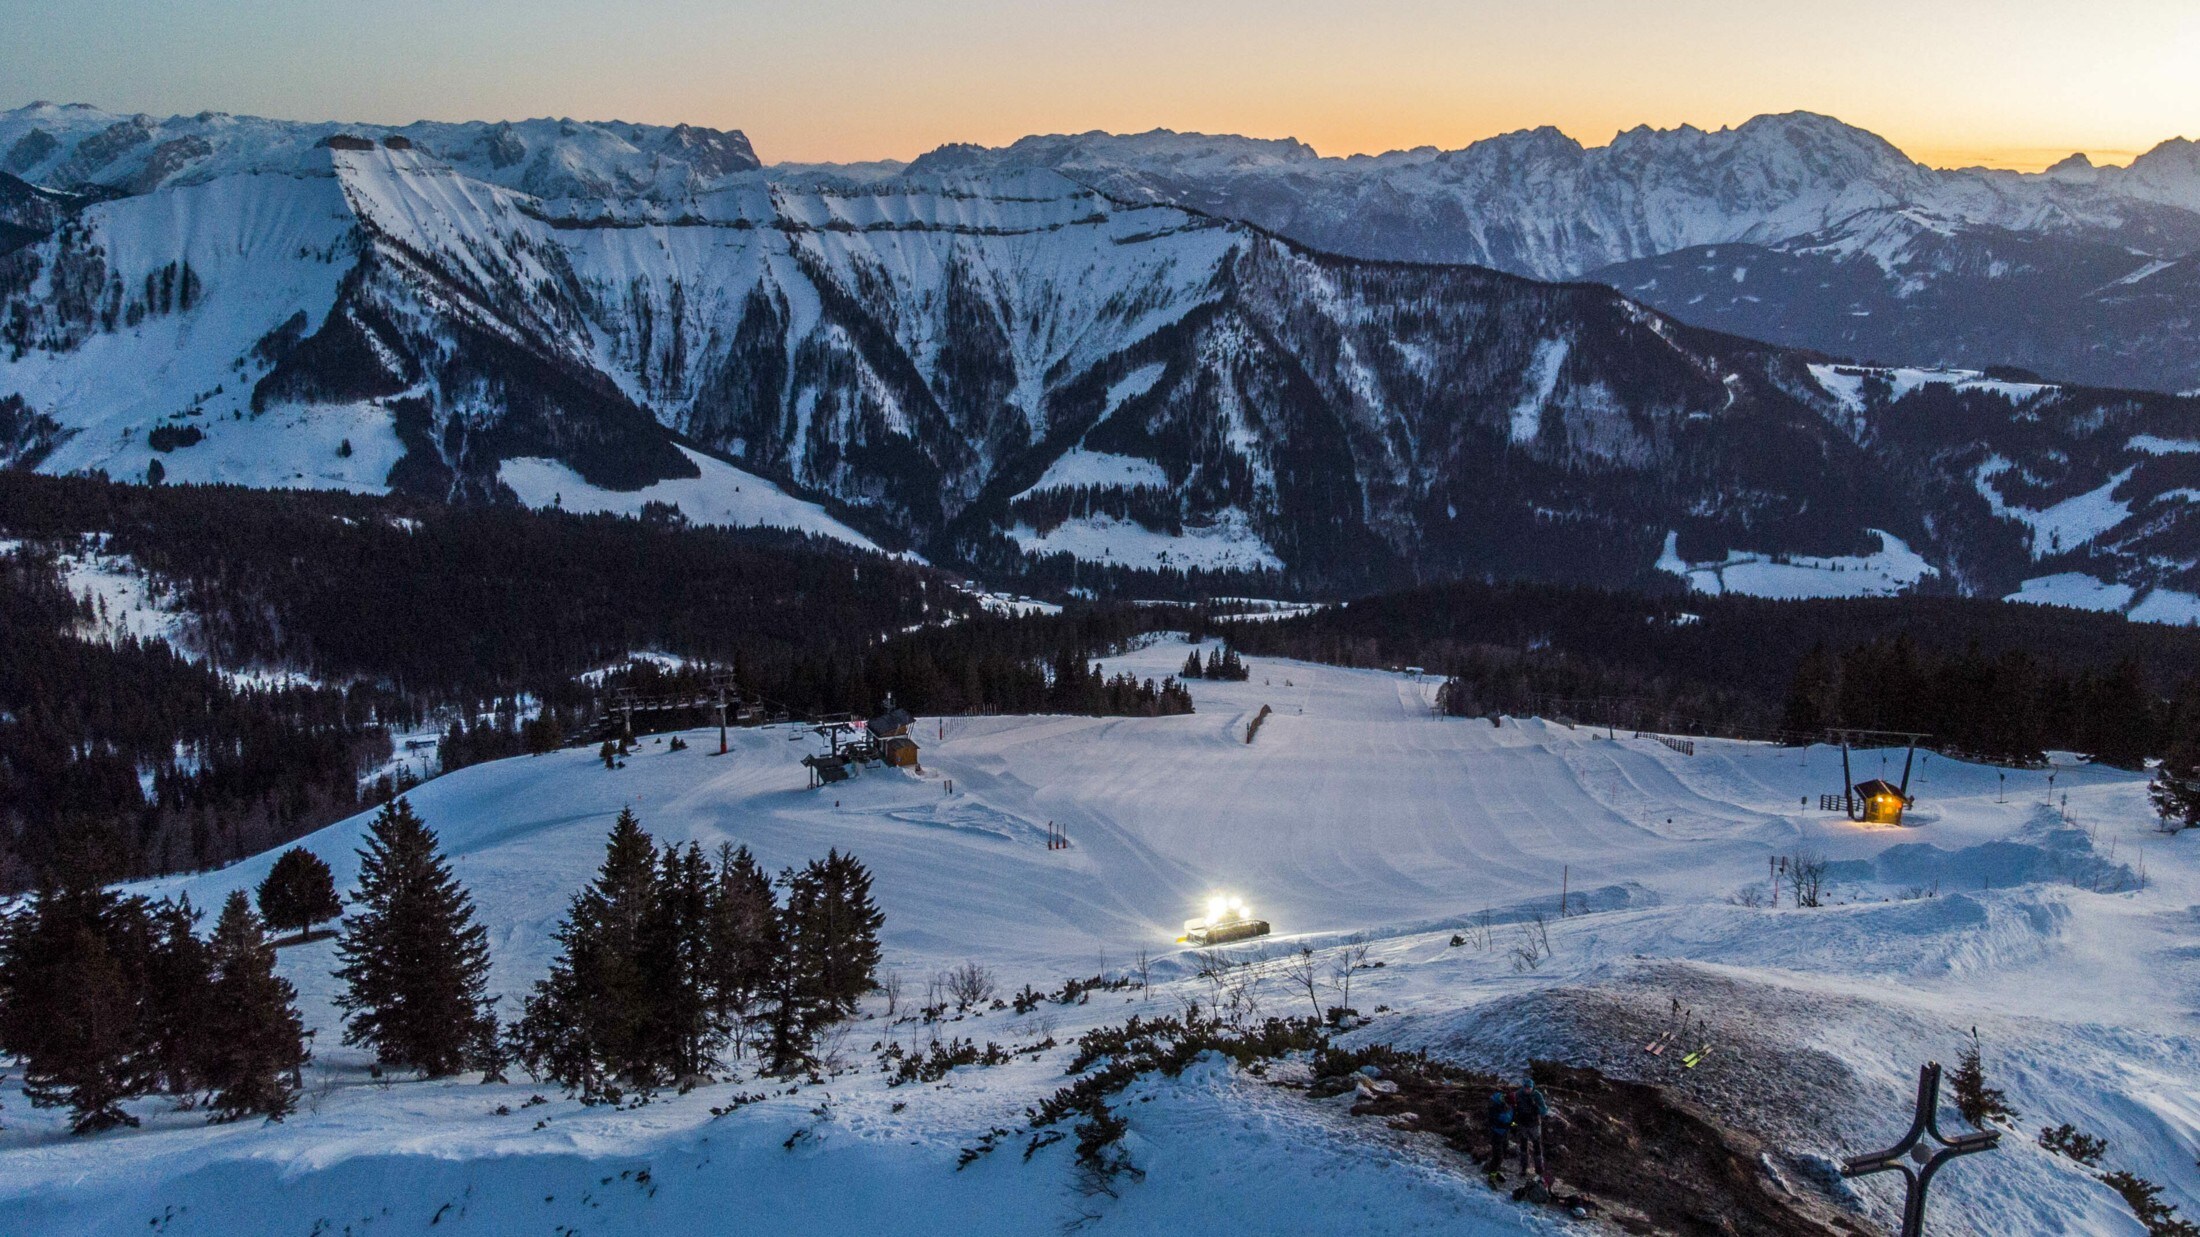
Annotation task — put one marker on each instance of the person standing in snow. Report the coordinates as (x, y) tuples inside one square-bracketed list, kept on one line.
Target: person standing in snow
[(1497, 1119), (1528, 1110)]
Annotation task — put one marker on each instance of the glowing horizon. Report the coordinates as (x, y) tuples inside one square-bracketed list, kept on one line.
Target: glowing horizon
[(1998, 83)]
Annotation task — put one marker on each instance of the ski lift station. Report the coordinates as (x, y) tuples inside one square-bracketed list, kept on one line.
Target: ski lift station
[(855, 742)]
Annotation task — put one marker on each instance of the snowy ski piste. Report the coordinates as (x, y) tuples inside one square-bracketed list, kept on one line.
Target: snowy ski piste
[(2064, 933)]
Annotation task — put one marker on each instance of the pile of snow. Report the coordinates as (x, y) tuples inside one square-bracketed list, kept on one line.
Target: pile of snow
[(1893, 569), (2061, 930)]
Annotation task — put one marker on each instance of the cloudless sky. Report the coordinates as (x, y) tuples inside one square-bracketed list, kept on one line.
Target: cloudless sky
[(2012, 83)]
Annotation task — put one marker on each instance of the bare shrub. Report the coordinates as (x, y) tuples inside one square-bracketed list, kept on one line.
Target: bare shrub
[(1806, 877), (1346, 961), (1531, 944), (967, 985), (1303, 970)]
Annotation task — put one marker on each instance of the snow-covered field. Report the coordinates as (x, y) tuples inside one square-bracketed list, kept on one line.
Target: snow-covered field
[(722, 494), (1228, 544), (1357, 813), (1894, 568)]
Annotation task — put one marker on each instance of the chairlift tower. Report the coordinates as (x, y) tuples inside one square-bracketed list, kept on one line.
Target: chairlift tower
[(1885, 804), (721, 683)]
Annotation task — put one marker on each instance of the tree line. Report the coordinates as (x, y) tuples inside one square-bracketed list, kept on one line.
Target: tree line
[(668, 962), (421, 611), (1985, 678), (165, 761)]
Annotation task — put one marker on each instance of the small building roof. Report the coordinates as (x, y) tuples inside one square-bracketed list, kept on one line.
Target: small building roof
[(1877, 787), (892, 720)]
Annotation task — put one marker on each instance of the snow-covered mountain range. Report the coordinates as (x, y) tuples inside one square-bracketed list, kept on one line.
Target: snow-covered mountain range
[(1845, 243), (1002, 365)]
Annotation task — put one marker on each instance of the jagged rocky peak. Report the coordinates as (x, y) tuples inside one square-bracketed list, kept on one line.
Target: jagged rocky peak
[(712, 152)]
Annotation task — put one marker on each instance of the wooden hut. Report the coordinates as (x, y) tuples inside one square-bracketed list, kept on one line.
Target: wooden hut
[(1882, 802)]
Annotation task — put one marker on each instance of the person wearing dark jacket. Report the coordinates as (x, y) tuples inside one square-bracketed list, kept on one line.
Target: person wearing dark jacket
[(1497, 1120), (1528, 1110)]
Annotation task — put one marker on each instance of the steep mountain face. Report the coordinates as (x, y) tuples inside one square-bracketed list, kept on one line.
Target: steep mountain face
[(1903, 284), (1012, 371), (1807, 187)]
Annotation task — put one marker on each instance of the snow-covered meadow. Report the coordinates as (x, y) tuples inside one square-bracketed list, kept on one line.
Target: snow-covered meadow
[(2064, 933)]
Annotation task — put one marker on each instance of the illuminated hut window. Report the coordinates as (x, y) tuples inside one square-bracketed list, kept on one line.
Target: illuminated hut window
[(1882, 802)]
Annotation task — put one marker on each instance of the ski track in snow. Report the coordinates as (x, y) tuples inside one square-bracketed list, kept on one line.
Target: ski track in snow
[(1356, 813)]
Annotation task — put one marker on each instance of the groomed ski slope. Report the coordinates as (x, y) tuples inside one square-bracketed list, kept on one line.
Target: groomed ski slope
[(1355, 813)]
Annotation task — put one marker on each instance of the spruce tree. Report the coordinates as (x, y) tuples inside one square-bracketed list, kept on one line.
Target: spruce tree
[(585, 1026), (179, 1001), (414, 960), (2175, 791), (842, 928), (72, 1003), (1810, 696), (682, 1039), (743, 942), (257, 1038), (797, 1003), (1978, 1102), (299, 892), (1192, 669)]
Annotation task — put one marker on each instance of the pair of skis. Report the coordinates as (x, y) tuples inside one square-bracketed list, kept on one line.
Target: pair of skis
[(1673, 1037)]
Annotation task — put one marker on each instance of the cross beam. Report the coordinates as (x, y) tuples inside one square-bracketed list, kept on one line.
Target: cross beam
[(1912, 1148)]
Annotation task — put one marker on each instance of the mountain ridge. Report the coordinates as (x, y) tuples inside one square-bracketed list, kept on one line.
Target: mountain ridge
[(1029, 377)]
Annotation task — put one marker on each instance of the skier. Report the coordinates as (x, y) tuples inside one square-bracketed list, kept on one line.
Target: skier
[(1497, 1119), (1528, 1110)]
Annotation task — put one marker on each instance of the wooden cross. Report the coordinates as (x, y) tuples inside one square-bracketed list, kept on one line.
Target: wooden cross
[(1912, 1148)]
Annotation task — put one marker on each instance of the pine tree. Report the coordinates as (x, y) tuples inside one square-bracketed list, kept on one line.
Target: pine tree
[(299, 892), (1192, 669), (257, 1038), (179, 1001), (585, 1025), (72, 1003), (1978, 1102), (414, 960)]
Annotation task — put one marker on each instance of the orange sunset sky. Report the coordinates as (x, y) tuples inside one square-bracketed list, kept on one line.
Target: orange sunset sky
[(2010, 83)]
